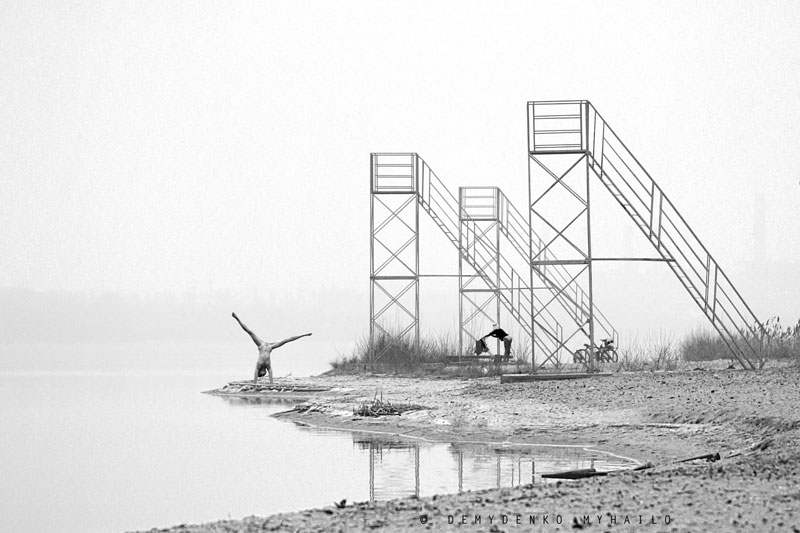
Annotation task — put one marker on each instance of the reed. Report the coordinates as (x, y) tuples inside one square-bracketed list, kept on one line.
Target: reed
[(403, 353), (658, 352), (775, 342)]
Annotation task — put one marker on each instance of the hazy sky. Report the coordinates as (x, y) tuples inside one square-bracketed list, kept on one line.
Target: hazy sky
[(152, 146)]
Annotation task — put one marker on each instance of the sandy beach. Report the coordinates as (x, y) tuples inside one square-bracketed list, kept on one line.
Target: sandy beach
[(750, 418)]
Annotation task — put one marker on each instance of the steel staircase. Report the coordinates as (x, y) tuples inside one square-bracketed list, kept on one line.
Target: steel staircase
[(443, 209), (669, 233), (567, 291)]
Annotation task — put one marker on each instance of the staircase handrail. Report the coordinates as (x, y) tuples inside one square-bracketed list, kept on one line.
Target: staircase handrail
[(674, 236)]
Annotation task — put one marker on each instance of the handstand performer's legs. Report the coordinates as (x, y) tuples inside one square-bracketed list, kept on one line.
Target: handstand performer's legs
[(253, 336)]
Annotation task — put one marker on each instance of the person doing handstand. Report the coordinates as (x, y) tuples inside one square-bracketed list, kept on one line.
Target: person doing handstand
[(498, 333), (264, 365)]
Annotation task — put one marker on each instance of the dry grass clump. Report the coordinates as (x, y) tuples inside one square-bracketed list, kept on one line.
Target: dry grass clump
[(398, 354), (655, 353), (704, 345), (776, 342), (782, 342), (387, 353)]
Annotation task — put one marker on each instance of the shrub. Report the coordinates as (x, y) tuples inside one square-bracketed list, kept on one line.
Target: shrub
[(704, 345), (656, 353), (782, 342), (776, 342)]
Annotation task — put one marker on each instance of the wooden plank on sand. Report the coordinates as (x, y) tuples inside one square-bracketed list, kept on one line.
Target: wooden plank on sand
[(522, 378), (575, 474)]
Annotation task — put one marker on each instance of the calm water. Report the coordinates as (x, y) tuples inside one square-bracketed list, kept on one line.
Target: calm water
[(118, 437)]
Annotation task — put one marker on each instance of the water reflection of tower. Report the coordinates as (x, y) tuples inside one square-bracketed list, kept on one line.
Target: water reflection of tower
[(511, 467), (482, 462), (376, 454), (474, 466)]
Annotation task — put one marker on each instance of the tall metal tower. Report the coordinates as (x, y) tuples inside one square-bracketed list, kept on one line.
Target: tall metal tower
[(394, 249), (479, 264), (560, 217)]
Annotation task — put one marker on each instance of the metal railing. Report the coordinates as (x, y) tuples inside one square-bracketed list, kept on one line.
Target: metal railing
[(563, 287), (443, 207), (659, 220)]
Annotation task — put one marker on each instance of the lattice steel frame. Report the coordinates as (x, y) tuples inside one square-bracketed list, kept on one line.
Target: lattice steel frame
[(393, 185), (545, 145), (479, 239)]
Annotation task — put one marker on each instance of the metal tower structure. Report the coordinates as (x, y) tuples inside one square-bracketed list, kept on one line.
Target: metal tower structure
[(492, 282), (560, 213), (543, 277), (493, 286), (479, 284), (394, 248), (568, 142)]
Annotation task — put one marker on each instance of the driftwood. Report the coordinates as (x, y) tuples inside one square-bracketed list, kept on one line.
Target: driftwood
[(591, 472), (377, 407), (575, 474), (709, 457)]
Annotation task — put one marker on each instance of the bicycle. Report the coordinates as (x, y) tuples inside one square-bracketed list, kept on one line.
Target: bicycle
[(605, 353)]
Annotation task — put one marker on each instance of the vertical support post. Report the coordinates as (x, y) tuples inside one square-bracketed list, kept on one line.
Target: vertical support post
[(461, 252), (589, 261), (460, 471), (497, 269), (416, 251), (372, 471), (530, 112), (371, 254), (416, 470)]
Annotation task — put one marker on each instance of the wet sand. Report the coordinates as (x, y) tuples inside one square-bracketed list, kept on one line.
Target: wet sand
[(752, 419)]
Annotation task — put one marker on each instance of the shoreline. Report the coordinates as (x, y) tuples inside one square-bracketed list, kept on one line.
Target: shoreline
[(751, 418)]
